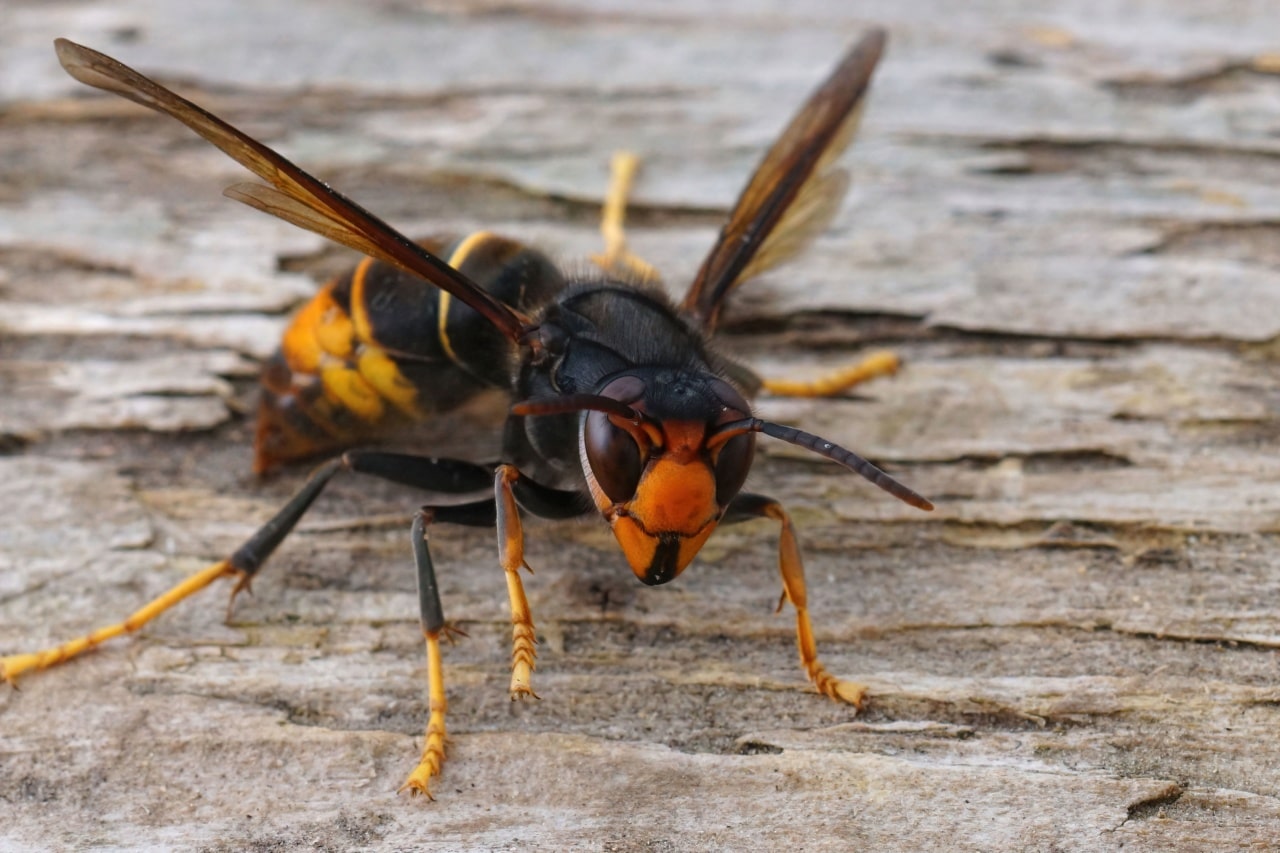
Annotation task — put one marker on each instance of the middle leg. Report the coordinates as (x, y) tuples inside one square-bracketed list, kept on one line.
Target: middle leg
[(511, 490), (433, 628), (504, 513)]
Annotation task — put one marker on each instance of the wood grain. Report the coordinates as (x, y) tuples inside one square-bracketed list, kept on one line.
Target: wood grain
[(1064, 217)]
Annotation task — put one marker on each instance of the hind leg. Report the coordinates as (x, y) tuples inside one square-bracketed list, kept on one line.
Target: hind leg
[(617, 259)]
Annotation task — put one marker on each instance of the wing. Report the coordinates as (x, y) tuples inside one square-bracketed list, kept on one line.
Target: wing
[(293, 195), (795, 191)]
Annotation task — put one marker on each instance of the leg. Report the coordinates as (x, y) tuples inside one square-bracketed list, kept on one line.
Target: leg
[(242, 564), (512, 490), (437, 475), (13, 666), (543, 501), (880, 363), (433, 625), (511, 557), (617, 258), (747, 506)]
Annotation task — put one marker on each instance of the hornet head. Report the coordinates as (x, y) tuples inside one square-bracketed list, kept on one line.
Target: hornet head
[(665, 451)]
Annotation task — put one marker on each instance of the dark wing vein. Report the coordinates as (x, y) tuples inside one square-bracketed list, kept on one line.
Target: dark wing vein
[(294, 195), (796, 190)]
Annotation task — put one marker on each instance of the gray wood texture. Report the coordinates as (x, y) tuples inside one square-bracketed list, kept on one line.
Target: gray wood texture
[(1064, 218)]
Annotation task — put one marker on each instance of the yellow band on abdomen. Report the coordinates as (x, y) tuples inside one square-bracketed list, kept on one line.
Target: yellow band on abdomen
[(456, 260)]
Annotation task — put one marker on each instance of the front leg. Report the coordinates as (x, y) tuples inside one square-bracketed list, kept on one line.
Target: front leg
[(513, 490), (747, 506), (511, 557)]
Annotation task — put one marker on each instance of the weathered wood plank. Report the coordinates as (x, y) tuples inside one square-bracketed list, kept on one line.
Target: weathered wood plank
[(1064, 218)]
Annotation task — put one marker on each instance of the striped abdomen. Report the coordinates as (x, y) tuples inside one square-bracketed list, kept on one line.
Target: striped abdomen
[(377, 347)]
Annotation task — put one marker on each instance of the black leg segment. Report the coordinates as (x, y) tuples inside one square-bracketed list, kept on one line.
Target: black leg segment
[(430, 474), (546, 502), (747, 506), (428, 590), (250, 556), (449, 476)]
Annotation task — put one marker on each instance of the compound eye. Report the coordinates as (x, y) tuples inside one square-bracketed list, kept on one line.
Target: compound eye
[(614, 456), (732, 466), (735, 406), (733, 463)]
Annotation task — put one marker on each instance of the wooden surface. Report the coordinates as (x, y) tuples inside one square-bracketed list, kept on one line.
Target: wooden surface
[(1064, 218)]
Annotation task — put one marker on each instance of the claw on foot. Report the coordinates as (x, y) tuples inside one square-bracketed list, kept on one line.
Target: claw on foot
[(849, 692), (523, 652), (14, 665), (520, 692), (244, 583), (419, 781), (452, 633), (416, 787)]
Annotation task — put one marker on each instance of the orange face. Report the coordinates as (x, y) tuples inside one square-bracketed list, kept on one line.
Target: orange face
[(661, 494), (673, 509), (663, 456)]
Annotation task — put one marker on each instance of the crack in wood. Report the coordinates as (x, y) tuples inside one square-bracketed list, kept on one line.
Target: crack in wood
[(1222, 78), (1073, 146), (1152, 807)]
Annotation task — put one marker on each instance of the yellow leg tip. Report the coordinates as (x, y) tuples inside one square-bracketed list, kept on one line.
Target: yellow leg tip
[(520, 682), (419, 781), (624, 162), (417, 784), (879, 363), (14, 665), (524, 652), (882, 363), (849, 692)]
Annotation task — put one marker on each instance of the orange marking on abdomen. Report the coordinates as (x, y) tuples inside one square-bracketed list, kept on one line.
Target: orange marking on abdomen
[(301, 344)]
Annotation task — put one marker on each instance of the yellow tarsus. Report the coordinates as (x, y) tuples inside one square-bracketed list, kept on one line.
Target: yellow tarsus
[(511, 556), (524, 640), (617, 259), (880, 363), (433, 752), (14, 665), (827, 684)]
